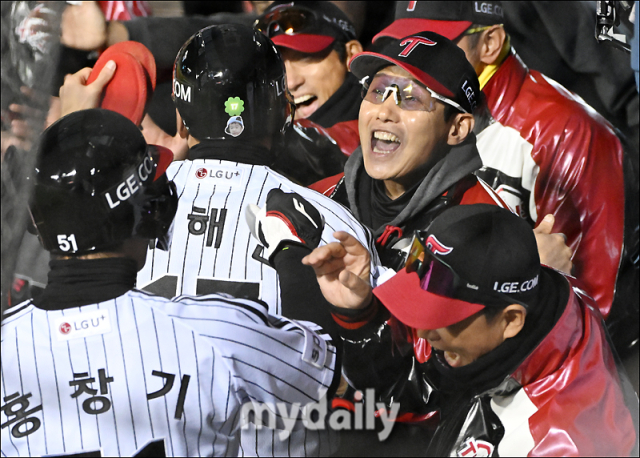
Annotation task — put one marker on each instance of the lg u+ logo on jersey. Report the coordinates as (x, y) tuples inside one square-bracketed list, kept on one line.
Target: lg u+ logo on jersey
[(82, 325), (229, 175)]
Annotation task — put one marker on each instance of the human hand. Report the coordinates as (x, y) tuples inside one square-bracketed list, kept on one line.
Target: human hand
[(342, 269), (26, 119), (83, 27), (552, 247), (76, 94), (154, 135)]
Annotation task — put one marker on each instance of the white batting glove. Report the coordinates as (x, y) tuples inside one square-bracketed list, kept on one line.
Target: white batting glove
[(286, 219)]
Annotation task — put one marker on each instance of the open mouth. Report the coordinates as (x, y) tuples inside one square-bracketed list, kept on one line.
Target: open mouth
[(304, 100), (384, 142), (452, 359)]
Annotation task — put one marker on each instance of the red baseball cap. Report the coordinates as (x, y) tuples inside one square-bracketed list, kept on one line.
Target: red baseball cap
[(430, 58), (449, 19), (470, 258), (420, 309), (133, 83), (308, 27)]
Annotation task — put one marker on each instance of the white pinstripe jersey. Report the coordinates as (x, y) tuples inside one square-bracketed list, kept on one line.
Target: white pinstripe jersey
[(141, 374), (212, 249)]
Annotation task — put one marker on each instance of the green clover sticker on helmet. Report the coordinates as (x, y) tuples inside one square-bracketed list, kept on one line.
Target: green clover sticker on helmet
[(234, 106)]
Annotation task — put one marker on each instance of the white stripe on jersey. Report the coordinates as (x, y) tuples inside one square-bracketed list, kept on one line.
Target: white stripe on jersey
[(151, 380), (209, 256)]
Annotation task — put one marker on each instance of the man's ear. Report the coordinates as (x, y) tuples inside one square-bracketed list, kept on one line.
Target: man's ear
[(513, 317), (180, 126), (461, 127), (490, 44), (352, 47)]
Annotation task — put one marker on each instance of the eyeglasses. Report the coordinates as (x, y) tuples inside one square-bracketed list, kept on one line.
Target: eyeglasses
[(437, 277), (407, 93), (288, 21)]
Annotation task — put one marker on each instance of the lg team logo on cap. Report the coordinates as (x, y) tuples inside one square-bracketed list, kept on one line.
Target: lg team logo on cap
[(412, 42), (436, 247)]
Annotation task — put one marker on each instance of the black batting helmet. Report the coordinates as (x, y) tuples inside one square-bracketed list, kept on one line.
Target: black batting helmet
[(229, 83), (98, 183)]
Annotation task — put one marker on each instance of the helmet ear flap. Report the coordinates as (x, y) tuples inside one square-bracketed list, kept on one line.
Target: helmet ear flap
[(157, 212)]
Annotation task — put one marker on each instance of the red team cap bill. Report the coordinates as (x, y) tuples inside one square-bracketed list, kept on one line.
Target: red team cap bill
[(470, 257), (433, 60), (449, 19), (308, 27)]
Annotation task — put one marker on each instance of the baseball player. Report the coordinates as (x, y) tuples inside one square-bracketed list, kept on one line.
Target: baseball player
[(221, 75), (96, 367), (229, 75)]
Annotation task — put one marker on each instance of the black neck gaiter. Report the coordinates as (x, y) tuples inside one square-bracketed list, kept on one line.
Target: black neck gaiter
[(78, 282)]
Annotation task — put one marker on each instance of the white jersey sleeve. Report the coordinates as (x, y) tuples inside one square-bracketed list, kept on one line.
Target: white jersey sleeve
[(133, 376)]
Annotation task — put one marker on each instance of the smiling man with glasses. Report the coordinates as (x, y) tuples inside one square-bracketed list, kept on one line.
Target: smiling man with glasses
[(418, 151)]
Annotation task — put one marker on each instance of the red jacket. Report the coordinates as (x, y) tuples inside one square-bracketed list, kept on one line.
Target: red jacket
[(569, 400), (549, 152), (565, 397)]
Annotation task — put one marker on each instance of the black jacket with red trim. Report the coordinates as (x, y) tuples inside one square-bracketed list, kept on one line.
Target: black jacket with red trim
[(553, 390), (449, 182)]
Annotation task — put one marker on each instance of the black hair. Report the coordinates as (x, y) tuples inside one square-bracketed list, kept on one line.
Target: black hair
[(341, 48), (450, 112), (474, 38), (491, 312)]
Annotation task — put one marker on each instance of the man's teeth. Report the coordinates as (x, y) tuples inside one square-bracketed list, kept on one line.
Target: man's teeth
[(303, 98), (386, 136)]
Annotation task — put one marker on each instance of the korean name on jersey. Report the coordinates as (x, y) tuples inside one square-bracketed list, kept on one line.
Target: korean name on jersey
[(212, 249), (142, 375)]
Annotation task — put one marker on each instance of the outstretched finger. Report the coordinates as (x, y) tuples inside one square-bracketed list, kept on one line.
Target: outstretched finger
[(350, 243), (324, 253)]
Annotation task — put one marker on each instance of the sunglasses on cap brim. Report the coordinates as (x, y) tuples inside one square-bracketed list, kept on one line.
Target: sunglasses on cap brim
[(408, 94), (438, 278), (291, 21)]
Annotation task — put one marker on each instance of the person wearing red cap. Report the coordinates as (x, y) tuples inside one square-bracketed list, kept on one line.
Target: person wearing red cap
[(545, 151), (512, 355), (316, 40), (418, 151)]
